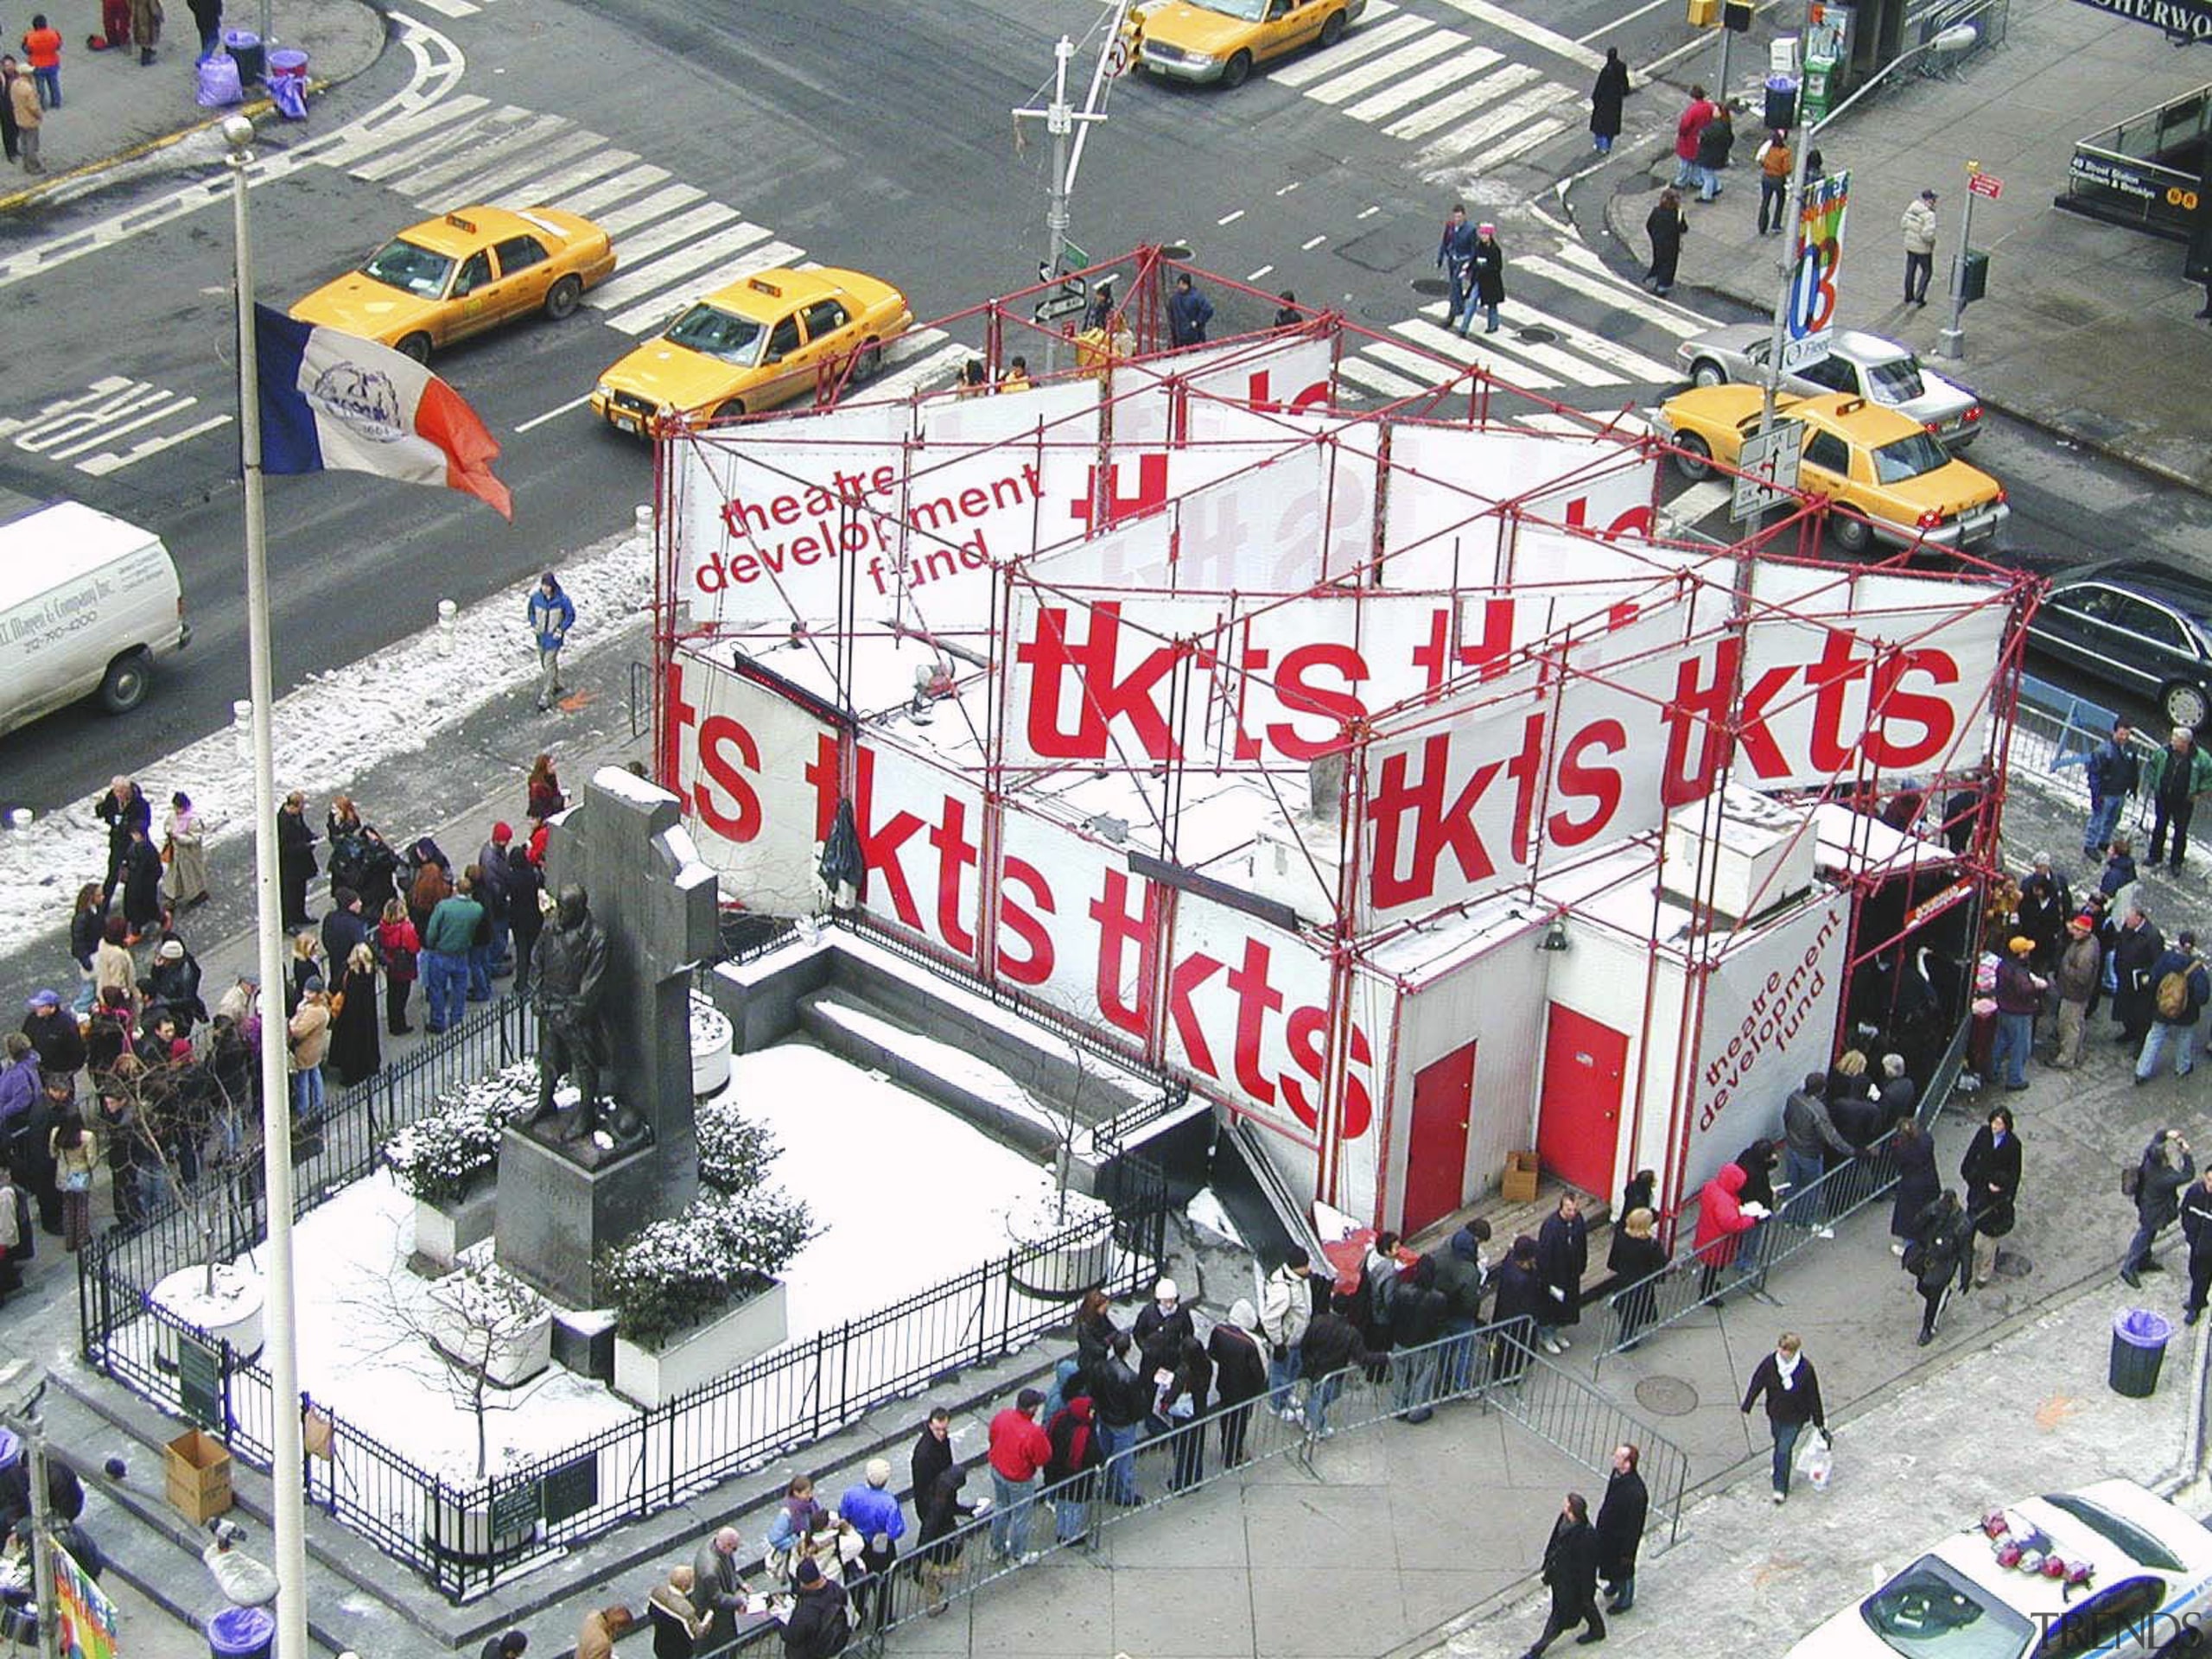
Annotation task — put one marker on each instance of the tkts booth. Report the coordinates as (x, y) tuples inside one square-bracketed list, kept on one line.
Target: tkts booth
[(1396, 780)]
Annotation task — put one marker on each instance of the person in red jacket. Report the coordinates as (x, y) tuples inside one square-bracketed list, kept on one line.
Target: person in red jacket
[(1724, 1216), (1019, 1449), (1688, 130)]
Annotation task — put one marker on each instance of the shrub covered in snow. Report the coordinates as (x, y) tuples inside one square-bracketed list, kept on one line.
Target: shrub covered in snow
[(710, 1027), (442, 1154), (682, 1272), (734, 1152)]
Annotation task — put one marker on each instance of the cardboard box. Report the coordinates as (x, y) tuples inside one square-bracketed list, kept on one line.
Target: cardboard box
[(1519, 1183), (199, 1470)]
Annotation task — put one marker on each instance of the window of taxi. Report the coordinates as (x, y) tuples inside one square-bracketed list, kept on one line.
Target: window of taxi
[(519, 253), (717, 333), (783, 340), (411, 270), (1909, 457), (1829, 452), (475, 272), (823, 318), (1250, 11), (1930, 1610)]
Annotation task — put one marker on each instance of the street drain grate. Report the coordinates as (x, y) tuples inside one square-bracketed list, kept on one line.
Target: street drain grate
[(1535, 336), (1666, 1396), (1432, 288)]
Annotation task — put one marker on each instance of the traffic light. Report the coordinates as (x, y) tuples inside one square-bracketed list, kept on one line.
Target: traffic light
[(1737, 15), (1704, 12)]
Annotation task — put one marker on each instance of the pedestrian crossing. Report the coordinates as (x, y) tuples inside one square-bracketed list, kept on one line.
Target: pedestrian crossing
[(671, 239), (1428, 83)]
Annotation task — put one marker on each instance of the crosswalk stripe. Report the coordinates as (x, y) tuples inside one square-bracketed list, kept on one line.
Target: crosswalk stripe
[(358, 146), (628, 182), (642, 317), (1497, 16), (1366, 39), (488, 186), (424, 143), (1527, 138), (1503, 118), (1585, 273), (454, 8), (1376, 10), (1546, 357), (1467, 99), (1700, 501), (1377, 378), (911, 376), (1510, 362), (637, 252), (656, 275), (1451, 72), (643, 211), (1630, 361), (1376, 71), (416, 183), (1550, 420), (1426, 370), (548, 191)]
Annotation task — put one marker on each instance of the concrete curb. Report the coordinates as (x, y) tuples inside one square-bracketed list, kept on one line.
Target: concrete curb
[(1619, 231)]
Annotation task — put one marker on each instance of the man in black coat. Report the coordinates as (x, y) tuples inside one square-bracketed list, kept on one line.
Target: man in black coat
[(1121, 1400), (932, 1451), (1562, 1257), (57, 1038), (1416, 1323), (123, 808), (2160, 1174), (2134, 1001), (1620, 1527), (1332, 1345), (1571, 1570), (1240, 1375), (2196, 1227), (1520, 1297), (342, 929), (821, 1620), (1162, 1330), (142, 884)]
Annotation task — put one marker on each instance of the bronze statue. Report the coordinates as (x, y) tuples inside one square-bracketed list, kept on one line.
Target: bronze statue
[(568, 976)]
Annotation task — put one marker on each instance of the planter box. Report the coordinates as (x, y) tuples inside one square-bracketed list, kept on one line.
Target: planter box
[(1070, 1267), (711, 1036), (197, 1467), (649, 1377), (442, 1231), (515, 1356), (232, 1314), (473, 1529)]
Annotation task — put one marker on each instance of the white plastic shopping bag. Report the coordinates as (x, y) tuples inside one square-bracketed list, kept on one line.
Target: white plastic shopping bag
[(1816, 1459)]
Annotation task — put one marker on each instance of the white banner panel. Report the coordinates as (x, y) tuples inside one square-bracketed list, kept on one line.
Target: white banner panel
[(1076, 929), (1198, 393), (745, 760), (921, 834), (1443, 477)]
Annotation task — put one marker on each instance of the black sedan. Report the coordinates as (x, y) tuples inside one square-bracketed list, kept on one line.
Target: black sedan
[(2137, 624)]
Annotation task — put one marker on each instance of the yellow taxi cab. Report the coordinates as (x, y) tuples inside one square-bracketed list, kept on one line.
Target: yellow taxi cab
[(1862, 455), (757, 343), (1221, 40), (463, 272)]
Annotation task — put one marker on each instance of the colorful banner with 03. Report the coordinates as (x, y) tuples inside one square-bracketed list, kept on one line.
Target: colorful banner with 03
[(1819, 255)]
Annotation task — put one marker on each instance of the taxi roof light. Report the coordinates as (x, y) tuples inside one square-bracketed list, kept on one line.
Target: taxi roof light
[(461, 224), (770, 289)]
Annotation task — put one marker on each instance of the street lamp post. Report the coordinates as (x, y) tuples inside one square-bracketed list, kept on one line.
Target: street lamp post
[(1957, 38), (286, 1460)]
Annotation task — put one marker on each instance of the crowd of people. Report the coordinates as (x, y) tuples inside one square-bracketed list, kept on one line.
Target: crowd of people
[(139, 1074)]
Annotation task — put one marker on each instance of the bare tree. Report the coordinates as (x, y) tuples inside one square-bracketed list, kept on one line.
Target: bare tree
[(457, 1330), (1060, 1086)]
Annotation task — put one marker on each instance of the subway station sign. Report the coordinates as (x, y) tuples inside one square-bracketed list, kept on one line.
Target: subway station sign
[(2187, 20)]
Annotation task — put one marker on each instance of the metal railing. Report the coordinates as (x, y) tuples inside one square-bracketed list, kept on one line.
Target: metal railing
[(2116, 173), (462, 1536), (1495, 1367)]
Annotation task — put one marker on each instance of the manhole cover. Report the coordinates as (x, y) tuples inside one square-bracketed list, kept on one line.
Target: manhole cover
[(1431, 287), (2011, 1264), (1666, 1396), (1636, 184), (1535, 336), (1175, 250)]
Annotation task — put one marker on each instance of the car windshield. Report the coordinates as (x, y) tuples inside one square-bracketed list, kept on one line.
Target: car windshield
[(1931, 1611), (1249, 11), (2139, 1544), (717, 333), (411, 270), (1896, 381), (1908, 457)]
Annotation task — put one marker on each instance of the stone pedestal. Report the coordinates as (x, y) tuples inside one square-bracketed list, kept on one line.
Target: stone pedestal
[(556, 1213)]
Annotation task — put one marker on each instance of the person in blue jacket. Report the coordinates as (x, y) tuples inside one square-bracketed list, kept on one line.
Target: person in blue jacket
[(1188, 313), (552, 613), (1455, 257)]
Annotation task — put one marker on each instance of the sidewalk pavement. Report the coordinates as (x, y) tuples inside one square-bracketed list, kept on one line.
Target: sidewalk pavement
[(2089, 330), (114, 110)]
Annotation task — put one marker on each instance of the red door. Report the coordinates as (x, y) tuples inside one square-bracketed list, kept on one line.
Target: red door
[(1436, 1151), (1579, 1114)]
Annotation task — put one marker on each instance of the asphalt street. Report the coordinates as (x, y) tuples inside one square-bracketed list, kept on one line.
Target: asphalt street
[(715, 141)]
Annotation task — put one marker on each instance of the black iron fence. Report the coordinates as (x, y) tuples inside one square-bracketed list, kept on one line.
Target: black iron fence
[(1495, 1367), (463, 1534)]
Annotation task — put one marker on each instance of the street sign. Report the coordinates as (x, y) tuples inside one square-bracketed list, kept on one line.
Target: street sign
[(1988, 186), (1044, 271), (1769, 461), (1074, 285), (1059, 305), (1072, 255)]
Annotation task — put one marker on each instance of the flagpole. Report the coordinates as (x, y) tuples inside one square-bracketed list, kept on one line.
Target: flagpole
[(288, 1458)]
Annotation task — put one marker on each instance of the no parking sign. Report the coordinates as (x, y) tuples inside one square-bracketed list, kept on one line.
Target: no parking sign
[(1811, 317)]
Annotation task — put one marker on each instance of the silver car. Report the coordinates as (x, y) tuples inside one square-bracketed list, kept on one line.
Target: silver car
[(1866, 365)]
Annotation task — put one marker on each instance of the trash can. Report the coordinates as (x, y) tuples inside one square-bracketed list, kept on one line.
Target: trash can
[(288, 82), (241, 1633), (244, 48), (1781, 109), (2139, 1348)]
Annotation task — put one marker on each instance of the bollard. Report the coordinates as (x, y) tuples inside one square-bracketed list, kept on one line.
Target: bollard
[(646, 523), (242, 728), (449, 612)]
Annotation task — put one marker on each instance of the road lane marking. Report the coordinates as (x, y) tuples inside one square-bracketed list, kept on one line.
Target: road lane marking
[(1355, 46), (1231, 218), (536, 420)]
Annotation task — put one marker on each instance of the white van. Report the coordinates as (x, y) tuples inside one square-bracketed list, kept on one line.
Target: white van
[(86, 603)]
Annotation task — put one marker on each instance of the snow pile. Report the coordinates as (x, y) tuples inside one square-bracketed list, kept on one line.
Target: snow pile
[(710, 1028), (680, 1272), (331, 729), (1050, 1213), (442, 1153)]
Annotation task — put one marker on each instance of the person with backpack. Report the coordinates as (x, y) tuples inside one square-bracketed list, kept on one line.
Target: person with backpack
[(2158, 1178), (1939, 1257), (2180, 988)]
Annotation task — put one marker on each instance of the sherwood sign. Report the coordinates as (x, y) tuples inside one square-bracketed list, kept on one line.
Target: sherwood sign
[(2190, 20)]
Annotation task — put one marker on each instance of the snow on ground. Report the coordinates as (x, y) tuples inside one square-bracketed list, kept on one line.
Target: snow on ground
[(329, 729), (1204, 1210), (955, 1066), (359, 1354), (907, 1194)]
